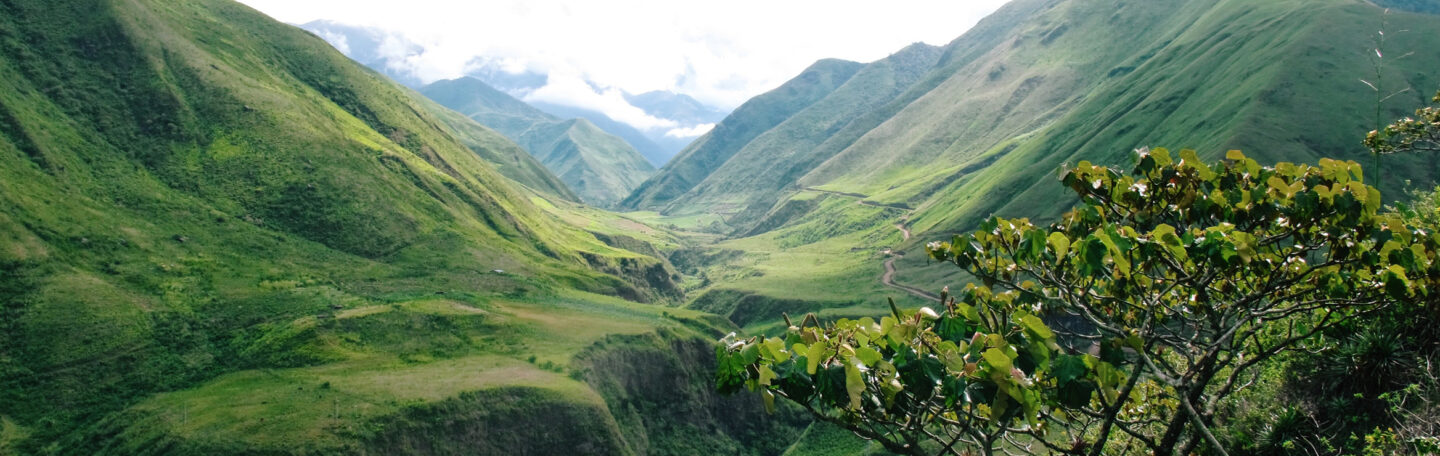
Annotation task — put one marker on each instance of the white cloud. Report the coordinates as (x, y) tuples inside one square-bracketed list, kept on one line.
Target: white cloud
[(572, 90), (690, 132), (721, 53), (340, 42)]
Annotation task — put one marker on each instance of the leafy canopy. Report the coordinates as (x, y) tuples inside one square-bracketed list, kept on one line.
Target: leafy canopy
[(1119, 328), (1411, 134)]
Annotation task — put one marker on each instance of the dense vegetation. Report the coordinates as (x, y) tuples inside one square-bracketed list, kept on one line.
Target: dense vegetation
[(217, 234), (938, 146), (1129, 324)]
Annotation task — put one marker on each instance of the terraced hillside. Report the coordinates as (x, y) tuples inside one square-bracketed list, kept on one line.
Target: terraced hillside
[(219, 235)]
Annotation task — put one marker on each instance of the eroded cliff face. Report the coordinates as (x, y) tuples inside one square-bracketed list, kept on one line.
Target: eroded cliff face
[(654, 278), (647, 280), (509, 421), (653, 394), (660, 389)]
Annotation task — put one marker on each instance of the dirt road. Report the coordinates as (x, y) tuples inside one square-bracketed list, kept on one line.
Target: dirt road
[(888, 279)]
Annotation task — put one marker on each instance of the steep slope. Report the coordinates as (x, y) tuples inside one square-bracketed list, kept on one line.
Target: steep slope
[(486, 105), (381, 51), (702, 157), (654, 152), (1062, 81), (1039, 84), (597, 166), (1277, 79), (219, 235), (768, 165), (509, 159)]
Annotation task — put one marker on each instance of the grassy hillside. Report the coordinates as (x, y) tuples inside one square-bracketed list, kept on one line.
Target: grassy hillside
[(769, 165), (1069, 80), (1279, 81), (486, 105), (598, 167), (656, 152), (709, 152), (219, 235), (1039, 84), (509, 159), (601, 168)]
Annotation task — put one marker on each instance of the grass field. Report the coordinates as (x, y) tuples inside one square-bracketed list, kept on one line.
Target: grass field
[(451, 347), (830, 265), (10, 434), (825, 439)]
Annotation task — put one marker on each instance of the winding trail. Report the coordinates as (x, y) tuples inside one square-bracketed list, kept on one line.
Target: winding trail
[(888, 279)]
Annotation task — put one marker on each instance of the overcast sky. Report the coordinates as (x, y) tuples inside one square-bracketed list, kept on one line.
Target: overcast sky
[(720, 52)]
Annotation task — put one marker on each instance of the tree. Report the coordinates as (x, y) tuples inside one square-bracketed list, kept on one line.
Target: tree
[(1119, 328)]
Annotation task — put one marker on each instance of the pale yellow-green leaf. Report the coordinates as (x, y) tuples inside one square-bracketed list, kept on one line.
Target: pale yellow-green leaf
[(813, 356), (868, 355), (854, 384), (766, 374), (1059, 243)]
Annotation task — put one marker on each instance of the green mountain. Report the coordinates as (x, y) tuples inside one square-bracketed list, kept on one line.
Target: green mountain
[(652, 144), (932, 145), (756, 116), (597, 166), (804, 139), (1044, 82), (218, 235), (509, 159)]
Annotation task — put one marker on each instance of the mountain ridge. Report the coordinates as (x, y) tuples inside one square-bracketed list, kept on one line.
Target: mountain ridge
[(1037, 86), (389, 53), (796, 145), (1013, 76), (598, 167), (764, 112), (217, 234)]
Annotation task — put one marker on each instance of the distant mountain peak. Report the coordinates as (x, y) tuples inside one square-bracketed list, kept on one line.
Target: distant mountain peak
[(392, 54), (676, 106), (598, 166), (1040, 83)]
